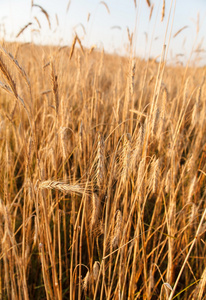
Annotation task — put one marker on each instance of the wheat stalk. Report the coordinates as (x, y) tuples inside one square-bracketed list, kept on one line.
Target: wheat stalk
[(163, 11), (22, 29), (100, 161), (63, 187), (44, 12)]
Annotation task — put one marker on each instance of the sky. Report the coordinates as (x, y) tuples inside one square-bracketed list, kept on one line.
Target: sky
[(105, 24)]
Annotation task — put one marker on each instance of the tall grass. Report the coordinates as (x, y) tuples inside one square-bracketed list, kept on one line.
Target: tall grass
[(103, 164)]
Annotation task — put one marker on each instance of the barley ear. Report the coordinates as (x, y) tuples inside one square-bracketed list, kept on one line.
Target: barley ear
[(116, 238)]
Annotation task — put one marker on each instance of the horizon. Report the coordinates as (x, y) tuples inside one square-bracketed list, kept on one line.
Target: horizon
[(108, 24)]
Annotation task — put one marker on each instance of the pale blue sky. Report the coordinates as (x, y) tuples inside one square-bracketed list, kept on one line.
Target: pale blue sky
[(100, 30)]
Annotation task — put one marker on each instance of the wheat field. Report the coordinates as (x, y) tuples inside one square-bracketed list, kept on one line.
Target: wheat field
[(102, 178)]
